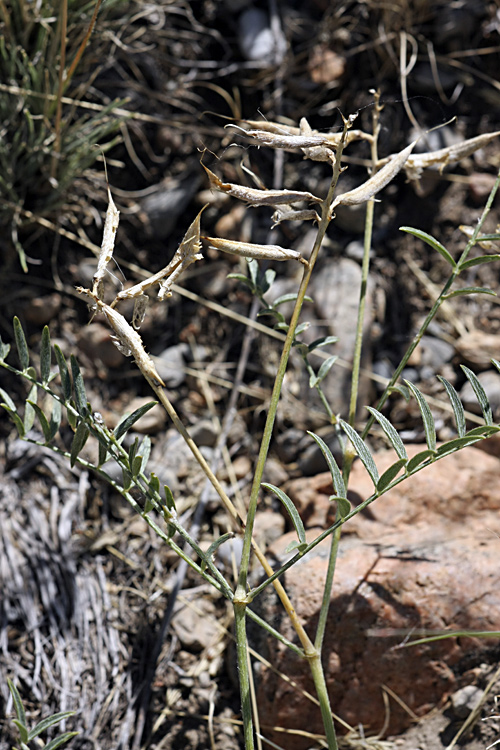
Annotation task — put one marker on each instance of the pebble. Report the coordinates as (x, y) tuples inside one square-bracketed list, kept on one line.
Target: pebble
[(170, 365), (256, 39), (465, 700), (41, 310)]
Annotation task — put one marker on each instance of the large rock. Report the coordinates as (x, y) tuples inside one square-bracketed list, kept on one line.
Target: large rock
[(424, 556)]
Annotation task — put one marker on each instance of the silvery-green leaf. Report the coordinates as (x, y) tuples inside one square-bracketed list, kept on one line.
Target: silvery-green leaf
[(390, 474), (291, 510), (469, 290), (78, 388), (362, 451), (390, 432), (432, 242), (79, 440), (55, 419), (45, 355), (427, 418), (44, 423), (325, 368), (22, 346), (29, 412), (478, 261), (480, 395), (323, 341), (63, 372), (337, 480), (458, 409), (418, 459), (169, 498), (4, 350), (126, 422), (50, 721)]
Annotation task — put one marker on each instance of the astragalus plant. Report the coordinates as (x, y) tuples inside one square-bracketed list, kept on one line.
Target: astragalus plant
[(65, 389)]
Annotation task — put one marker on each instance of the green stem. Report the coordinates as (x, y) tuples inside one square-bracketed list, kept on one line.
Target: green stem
[(243, 673), (318, 676), (327, 592), (278, 383)]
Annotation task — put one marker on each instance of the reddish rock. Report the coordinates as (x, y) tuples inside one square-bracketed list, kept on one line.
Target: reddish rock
[(425, 557)]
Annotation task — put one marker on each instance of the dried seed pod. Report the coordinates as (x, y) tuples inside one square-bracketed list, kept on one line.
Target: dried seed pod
[(376, 183), (256, 197), (251, 250), (286, 213), (127, 340), (186, 253), (107, 247), (441, 158)]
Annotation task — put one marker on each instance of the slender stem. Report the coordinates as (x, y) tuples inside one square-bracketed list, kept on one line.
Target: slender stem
[(318, 676), (243, 672), (327, 591), (278, 383)]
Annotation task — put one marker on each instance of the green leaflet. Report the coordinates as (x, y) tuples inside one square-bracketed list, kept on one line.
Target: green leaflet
[(291, 510), (362, 451), (432, 242), (337, 480), (427, 418), (390, 432)]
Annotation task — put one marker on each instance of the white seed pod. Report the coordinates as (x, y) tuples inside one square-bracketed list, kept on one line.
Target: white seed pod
[(127, 340), (283, 139), (376, 183), (256, 197), (251, 250), (285, 213), (108, 244), (443, 157)]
